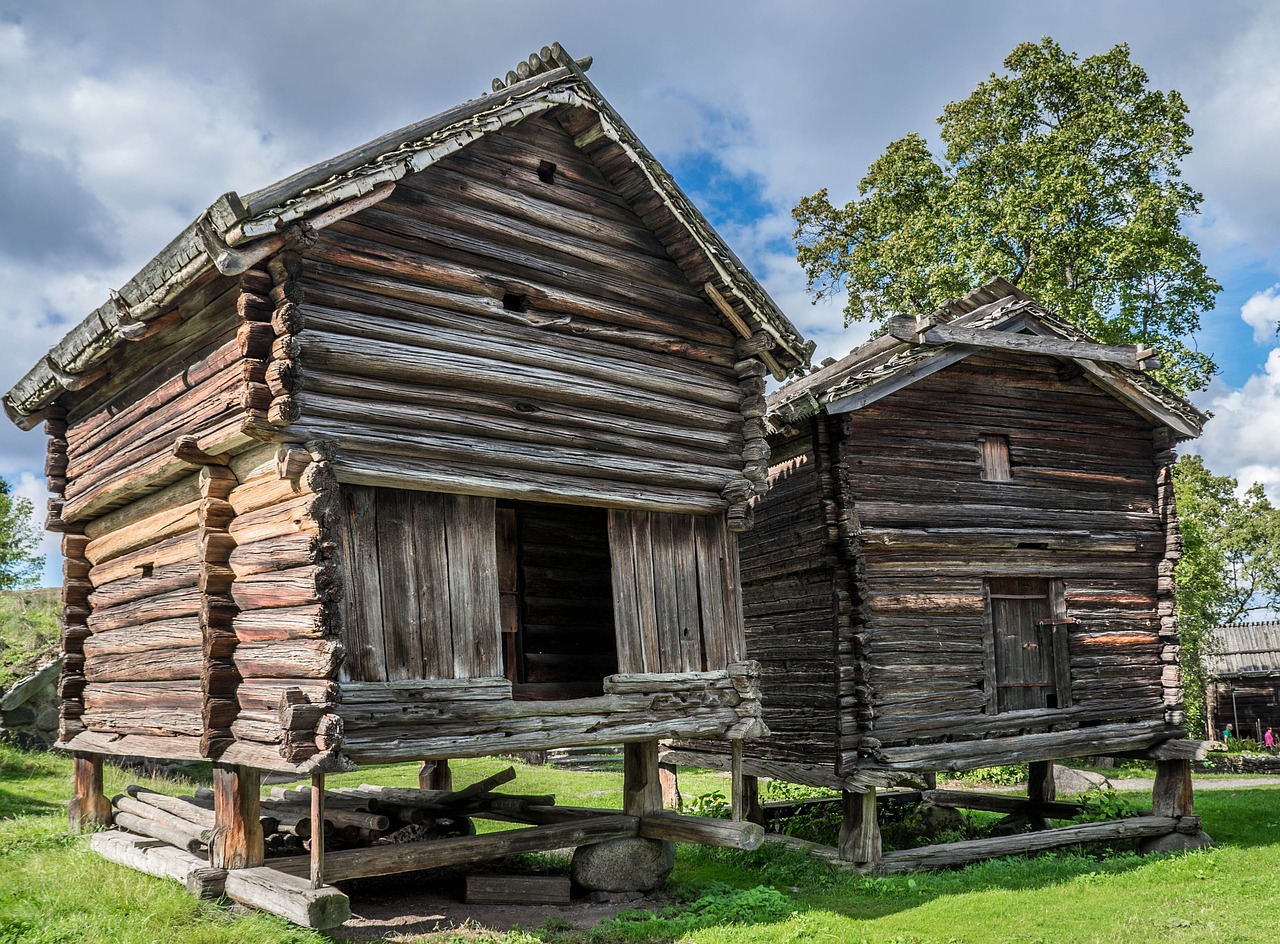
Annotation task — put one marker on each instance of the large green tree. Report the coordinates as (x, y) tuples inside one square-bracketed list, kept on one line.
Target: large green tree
[(1062, 175), (20, 566), (1230, 566)]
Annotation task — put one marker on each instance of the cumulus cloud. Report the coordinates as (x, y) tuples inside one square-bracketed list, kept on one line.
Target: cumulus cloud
[(1262, 313), (1243, 438)]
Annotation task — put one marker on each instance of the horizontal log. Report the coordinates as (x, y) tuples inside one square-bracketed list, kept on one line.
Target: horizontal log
[(313, 621), (179, 663), (181, 838), (974, 850), (279, 553), (393, 859), (160, 526), (182, 807), (699, 829), (1000, 803), (155, 857), (296, 587)]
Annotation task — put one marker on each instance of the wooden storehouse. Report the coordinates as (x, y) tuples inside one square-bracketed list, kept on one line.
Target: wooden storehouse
[(1243, 687), (436, 449), (966, 558)]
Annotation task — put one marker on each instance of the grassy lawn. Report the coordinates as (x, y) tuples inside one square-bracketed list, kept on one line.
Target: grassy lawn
[(54, 890), (28, 631)]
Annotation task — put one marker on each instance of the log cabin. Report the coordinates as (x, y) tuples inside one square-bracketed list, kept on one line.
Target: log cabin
[(439, 448), (1243, 684), (965, 559)]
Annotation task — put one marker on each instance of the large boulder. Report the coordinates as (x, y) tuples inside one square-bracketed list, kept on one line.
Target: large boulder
[(1176, 842), (1069, 782), (623, 865)]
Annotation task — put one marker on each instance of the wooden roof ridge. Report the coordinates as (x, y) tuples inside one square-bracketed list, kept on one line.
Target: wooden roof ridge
[(901, 356), (236, 232)]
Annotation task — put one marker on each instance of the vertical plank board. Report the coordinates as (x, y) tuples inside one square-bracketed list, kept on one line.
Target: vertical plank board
[(735, 632), (664, 590), (317, 836), (685, 548), (641, 785), (710, 533), (859, 827), (626, 603), (642, 543), (431, 582), (399, 594), (363, 626), (1061, 642), (473, 586), (1172, 794), (989, 651)]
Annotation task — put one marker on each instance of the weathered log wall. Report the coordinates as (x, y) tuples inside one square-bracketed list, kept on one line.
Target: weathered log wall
[(184, 377), (791, 606), (484, 296), (1244, 704), (1080, 506)]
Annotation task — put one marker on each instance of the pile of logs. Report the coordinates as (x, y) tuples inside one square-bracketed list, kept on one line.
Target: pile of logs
[(353, 817)]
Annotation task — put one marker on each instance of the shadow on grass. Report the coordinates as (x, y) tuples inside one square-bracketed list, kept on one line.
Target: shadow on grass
[(14, 803)]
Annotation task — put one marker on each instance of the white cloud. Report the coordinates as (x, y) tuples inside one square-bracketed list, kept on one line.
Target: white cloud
[(1243, 438), (1262, 313)]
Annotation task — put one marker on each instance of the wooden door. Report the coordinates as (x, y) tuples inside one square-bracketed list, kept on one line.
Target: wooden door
[(1022, 628)]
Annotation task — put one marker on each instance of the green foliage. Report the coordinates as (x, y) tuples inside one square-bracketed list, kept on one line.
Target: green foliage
[(1005, 775), (1230, 565), (1062, 175), (1100, 805), (714, 805), (28, 631), (20, 566)]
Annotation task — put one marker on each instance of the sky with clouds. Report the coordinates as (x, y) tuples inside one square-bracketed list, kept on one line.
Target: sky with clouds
[(120, 123)]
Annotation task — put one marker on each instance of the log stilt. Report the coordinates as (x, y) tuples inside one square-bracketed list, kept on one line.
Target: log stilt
[(737, 796), (859, 827), (1172, 793), (1041, 789), (752, 811), (317, 838), (435, 775), (89, 805), (641, 786), (237, 841), (669, 777)]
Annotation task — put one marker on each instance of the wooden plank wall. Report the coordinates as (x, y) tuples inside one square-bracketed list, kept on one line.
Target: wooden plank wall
[(791, 606), (482, 297), (1256, 700), (1080, 506), (676, 592), (184, 379), (421, 600)]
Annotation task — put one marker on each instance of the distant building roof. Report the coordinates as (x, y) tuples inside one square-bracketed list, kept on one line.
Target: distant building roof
[(1244, 650)]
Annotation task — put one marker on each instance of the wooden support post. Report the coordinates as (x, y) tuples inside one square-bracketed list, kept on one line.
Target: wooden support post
[(435, 775), (236, 842), (859, 827), (89, 805), (669, 777), (737, 796), (752, 811), (1040, 789), (317, 835), (1172, 795), (641, 787)]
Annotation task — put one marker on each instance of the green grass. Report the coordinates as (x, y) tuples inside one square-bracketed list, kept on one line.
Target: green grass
[(54, 890), (28, 631)]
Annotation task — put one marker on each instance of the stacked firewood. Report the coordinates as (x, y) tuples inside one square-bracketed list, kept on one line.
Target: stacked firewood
[(353, 817)]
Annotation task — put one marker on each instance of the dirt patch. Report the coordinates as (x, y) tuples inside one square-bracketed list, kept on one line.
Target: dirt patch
[(429, 904)]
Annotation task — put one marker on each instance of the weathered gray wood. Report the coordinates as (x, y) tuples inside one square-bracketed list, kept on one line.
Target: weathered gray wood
[(975, 850), (392, 859), (1001, 803), (1127, 355), (363, 627), (641, 787), (726, 834), (288, 896), (1172, 794), (859, 827), (89, 807), (431, 557), (158, 858), (473, 587), (395, 550), (517, 889)]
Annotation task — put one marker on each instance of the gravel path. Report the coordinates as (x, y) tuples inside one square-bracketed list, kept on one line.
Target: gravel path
[(1201, 783)]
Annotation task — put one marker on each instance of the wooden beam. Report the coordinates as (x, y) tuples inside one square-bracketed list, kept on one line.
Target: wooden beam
[(1126, 355), (1000, 803), (1172, 793), (464, 850), (697, 829), (317, 836), (289, 896), (739, 325)]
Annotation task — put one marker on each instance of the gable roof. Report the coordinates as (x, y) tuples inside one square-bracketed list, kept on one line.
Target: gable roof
[(236, 232), (1240, 650), (995, 315)]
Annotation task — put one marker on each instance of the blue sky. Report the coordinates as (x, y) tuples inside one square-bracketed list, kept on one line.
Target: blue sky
[(119, 124)]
